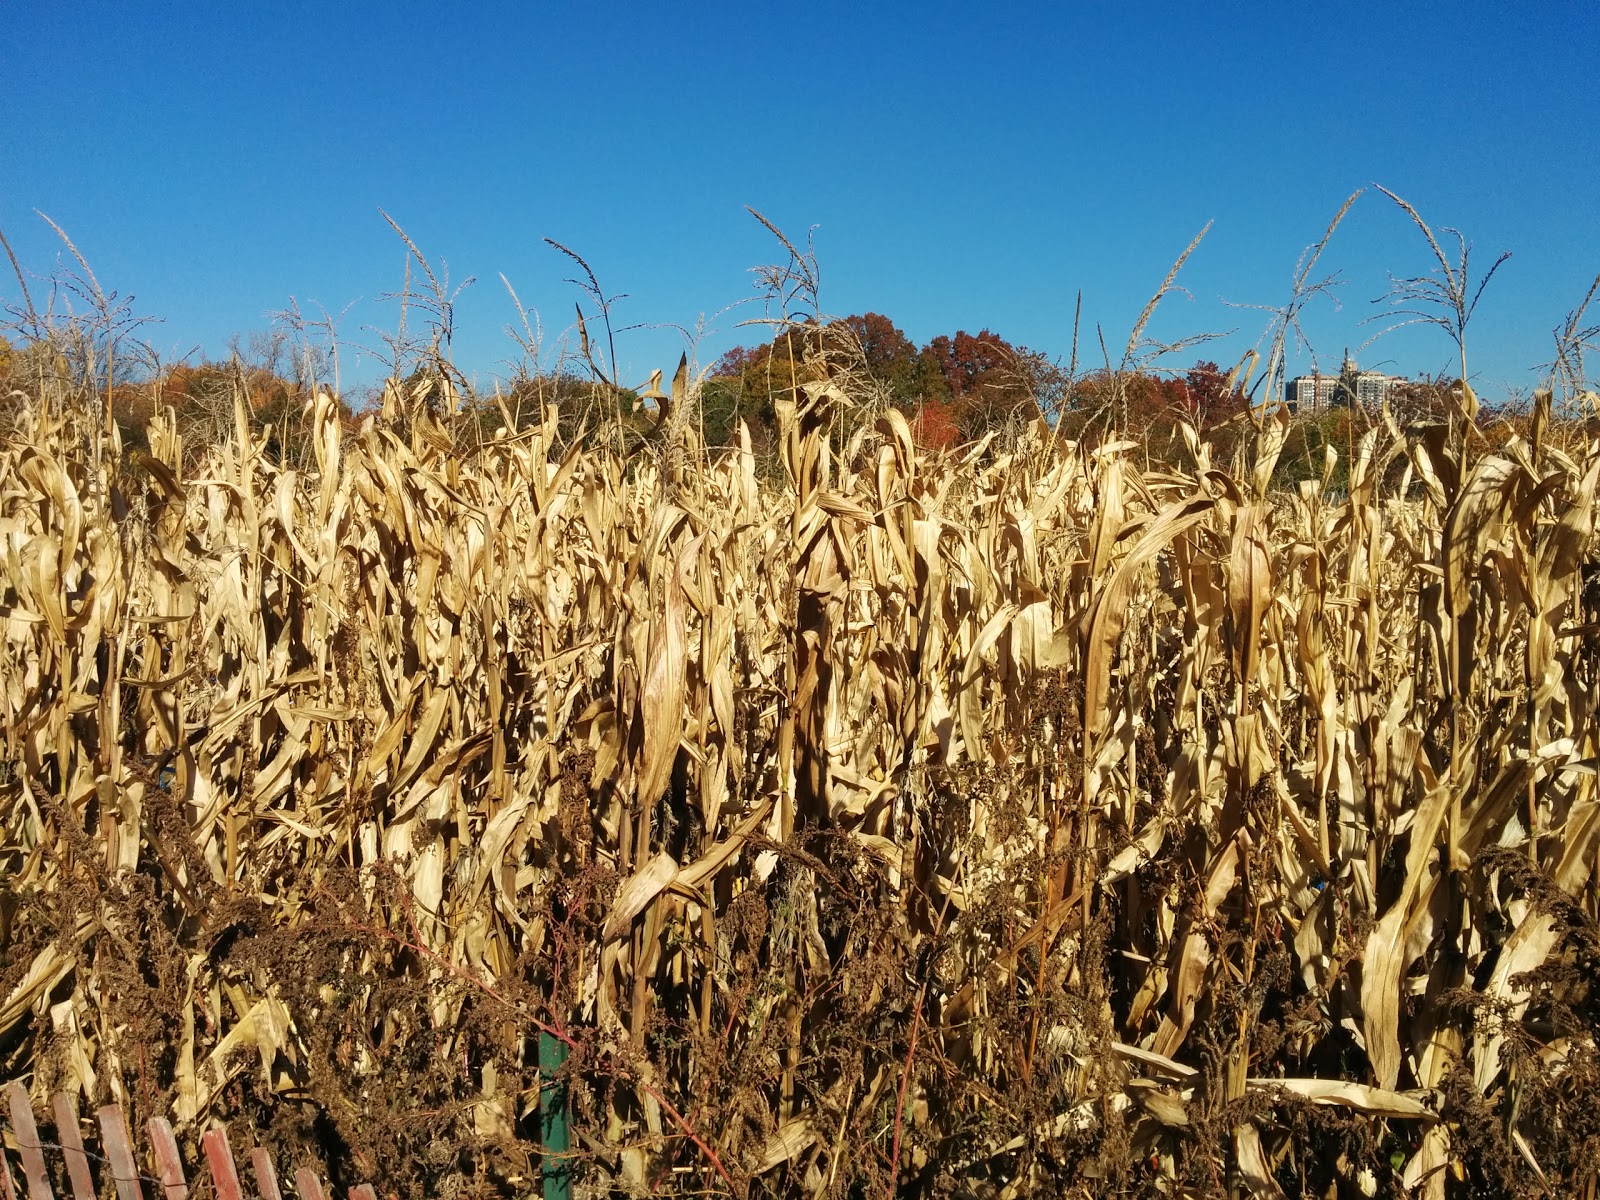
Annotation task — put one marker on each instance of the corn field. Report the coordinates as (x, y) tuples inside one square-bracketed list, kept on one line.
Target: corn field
[(1005, 821)]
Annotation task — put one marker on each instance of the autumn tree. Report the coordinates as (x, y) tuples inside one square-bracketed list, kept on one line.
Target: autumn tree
[(737, 361), (990, 381), (1150, 409), (907, 377), (747, 382), (884, 346), (1134, 405), (933, 425), (954, 388), (202, 397), (1205, 398)]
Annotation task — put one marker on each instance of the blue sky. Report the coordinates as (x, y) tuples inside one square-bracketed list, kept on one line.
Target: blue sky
[(963, 168)]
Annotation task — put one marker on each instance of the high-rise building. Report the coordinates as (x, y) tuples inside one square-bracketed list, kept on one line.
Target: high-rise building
[(1373, 388), (1310, 393), (1315, 392)]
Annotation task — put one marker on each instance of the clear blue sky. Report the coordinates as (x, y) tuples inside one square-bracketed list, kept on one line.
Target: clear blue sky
[(963, 167)]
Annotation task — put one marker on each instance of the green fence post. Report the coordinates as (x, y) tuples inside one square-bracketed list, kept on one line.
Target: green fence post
[(554, 1131)]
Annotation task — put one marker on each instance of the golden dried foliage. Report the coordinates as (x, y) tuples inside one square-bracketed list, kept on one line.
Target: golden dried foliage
[(1027, 815)]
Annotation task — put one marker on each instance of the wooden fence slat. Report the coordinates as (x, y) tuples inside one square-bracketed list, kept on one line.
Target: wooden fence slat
[(28, 1146), (169, 1164), (8, 1190), (119, 1152), (119, 1155), (266, 1174), (310, 1187), (219, 1157), (78, 1173)]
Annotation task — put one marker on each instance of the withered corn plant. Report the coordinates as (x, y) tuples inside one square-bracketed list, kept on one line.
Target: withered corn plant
[(976, 823)]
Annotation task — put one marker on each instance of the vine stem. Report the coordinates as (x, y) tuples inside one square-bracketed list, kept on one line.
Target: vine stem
[(677, 1119), (905, 1080)]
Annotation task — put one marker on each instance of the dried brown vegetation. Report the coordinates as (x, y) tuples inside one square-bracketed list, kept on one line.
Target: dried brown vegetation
[(985, 823)]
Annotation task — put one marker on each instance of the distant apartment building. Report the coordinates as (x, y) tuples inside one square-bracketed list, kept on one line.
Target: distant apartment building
[(1310, 393), (1316, 392)]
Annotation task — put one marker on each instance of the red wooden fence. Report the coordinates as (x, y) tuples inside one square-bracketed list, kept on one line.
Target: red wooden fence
[(117, 1157)]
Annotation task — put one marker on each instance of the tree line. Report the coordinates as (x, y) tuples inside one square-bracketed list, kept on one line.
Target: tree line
[(954, 390)]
